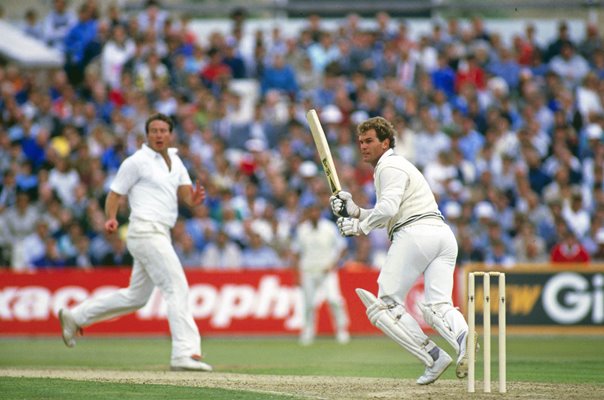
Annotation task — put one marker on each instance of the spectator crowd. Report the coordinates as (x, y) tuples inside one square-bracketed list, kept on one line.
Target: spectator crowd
[(509, 136)]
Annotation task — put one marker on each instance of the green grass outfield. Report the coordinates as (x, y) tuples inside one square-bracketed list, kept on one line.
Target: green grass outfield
[(545, 359)]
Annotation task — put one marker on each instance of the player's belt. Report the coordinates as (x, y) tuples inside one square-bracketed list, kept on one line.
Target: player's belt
[(412, 219)]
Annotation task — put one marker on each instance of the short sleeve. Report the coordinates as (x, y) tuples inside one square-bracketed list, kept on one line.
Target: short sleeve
[(126, 177), (183, 178)]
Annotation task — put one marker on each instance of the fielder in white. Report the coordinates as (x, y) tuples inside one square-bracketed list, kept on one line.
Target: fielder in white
[(154, 179), (422, 243), (317, 248)]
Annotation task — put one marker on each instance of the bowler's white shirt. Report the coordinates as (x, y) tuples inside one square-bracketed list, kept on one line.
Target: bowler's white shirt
[(319, 246), (151, 187)]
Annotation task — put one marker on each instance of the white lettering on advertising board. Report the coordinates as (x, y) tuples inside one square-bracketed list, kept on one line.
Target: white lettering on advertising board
[(36, 303), (269, 300), (236, 301), (568, 298)]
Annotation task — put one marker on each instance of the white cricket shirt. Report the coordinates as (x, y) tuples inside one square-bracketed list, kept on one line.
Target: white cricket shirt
[(402, 195), (151, 187), (319, 247)]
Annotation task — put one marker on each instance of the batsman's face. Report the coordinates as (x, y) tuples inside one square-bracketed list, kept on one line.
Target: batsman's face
[(371, 148), (159, 136)]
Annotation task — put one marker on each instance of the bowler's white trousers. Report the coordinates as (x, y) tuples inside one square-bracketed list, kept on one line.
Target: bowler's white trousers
[(426, 247), (155, 264)]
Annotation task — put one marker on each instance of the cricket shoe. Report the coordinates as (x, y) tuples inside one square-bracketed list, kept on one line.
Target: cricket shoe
[(307, 337), (462, 359), (431, 374), (192, 363), (306, 341), (343, 337), (69, 328)]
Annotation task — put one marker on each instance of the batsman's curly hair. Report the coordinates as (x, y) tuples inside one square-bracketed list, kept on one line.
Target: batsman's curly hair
[(383, 129)]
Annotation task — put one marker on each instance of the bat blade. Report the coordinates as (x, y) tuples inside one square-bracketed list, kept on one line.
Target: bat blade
[(324, 152)]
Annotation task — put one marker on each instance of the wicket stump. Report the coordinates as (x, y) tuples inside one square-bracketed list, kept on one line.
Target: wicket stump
[(486, 331)]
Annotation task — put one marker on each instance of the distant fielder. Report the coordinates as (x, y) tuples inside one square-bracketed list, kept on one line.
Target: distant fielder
[(154, 179), (317, 249), (422, 243)]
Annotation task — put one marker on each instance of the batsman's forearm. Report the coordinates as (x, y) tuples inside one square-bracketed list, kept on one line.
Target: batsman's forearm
[(112, 204)]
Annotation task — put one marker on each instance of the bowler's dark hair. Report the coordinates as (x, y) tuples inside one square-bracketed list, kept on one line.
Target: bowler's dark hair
[(159, 117), (383, 129)]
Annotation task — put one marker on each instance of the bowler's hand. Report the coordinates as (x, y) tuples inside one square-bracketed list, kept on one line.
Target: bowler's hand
[(198, 194), (111, 225), (349, 226)]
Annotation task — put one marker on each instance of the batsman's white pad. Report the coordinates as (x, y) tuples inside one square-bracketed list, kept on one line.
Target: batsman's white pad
[(446, 320), (382, 318)]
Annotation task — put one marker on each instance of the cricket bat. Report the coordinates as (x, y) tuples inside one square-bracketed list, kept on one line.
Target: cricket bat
[(324, 153)]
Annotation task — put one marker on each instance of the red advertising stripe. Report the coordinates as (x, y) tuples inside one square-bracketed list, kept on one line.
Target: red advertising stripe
[(223, 303)]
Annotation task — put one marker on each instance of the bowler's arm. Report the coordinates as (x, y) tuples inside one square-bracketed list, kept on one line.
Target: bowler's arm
[(192, 196), (112, 204)]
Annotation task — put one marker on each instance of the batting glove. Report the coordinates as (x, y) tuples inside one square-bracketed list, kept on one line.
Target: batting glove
[(349, 226), (343, 206)]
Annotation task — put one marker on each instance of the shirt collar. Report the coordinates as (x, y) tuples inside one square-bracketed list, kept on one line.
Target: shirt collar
[(387, 153), (152, 153)]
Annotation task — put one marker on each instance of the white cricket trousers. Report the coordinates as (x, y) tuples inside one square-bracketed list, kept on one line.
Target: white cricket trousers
[(155, 265), (315, 285), (425, 247)]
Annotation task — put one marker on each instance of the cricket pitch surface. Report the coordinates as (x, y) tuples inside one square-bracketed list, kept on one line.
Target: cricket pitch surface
[(320, 387)]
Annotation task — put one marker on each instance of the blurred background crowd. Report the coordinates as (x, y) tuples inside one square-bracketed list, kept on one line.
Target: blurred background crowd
[(509, 136)]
